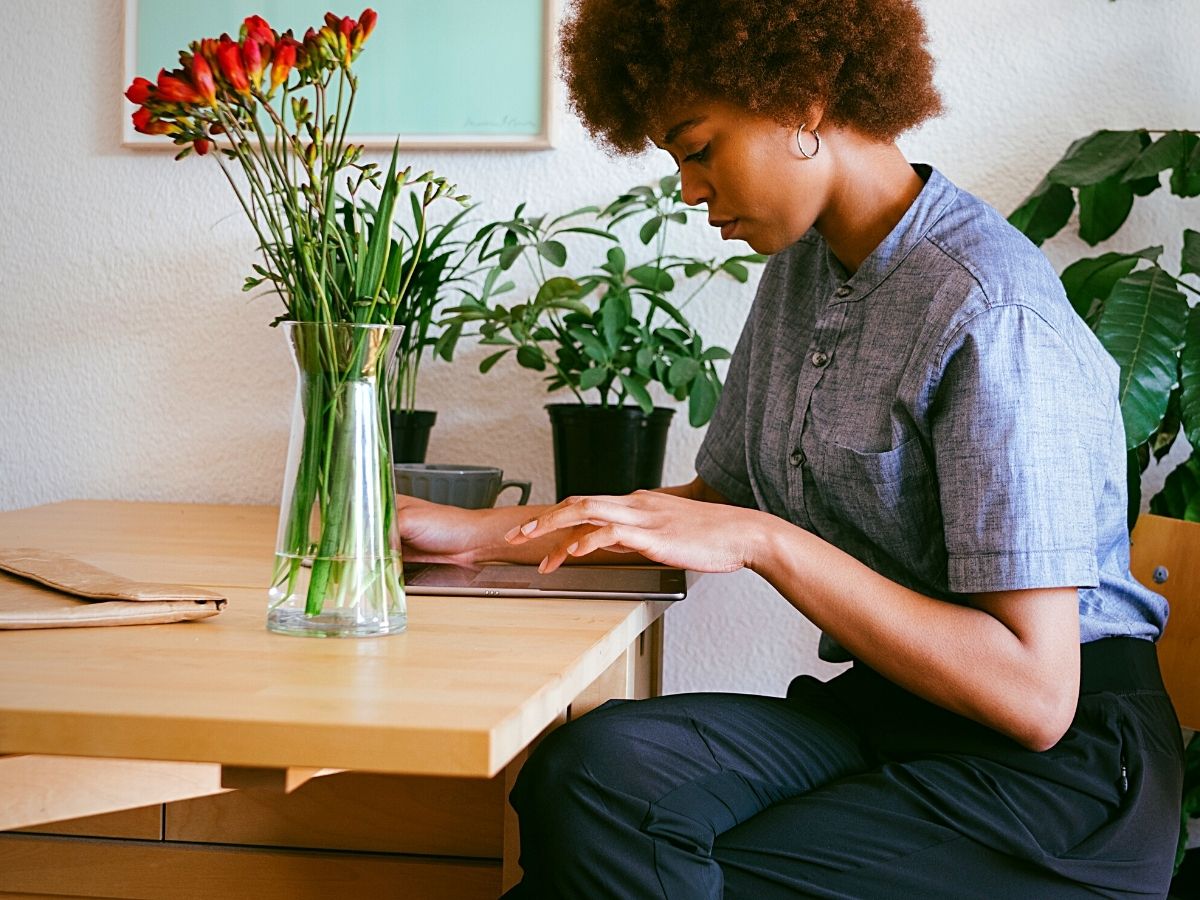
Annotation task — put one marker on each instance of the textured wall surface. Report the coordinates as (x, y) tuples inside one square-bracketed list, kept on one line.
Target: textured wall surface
[(132, 367)]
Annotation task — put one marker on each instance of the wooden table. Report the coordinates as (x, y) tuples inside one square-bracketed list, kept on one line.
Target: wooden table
[(217, 759)]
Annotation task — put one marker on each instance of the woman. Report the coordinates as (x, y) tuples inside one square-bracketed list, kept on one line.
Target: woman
[(920, 447)]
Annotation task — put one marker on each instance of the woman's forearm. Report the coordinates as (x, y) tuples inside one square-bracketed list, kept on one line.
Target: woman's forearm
[(1012, 665)]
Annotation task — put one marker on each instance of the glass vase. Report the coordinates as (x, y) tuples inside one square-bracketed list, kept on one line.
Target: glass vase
[(338, 571)]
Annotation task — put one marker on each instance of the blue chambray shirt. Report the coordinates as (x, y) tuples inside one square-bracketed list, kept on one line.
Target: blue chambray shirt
[(942, 415)]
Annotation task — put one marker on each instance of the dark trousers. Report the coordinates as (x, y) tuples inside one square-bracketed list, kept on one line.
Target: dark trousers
[(856, 788)]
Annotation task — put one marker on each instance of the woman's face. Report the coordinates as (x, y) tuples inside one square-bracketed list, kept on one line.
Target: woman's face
[(747, 169)]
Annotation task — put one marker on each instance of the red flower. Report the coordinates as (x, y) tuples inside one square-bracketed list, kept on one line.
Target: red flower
[(344, 25), (229, 61), (283, 61), (202, 77), (366, 22), (202, 145), (252, 55), (144, 122), (256, 27), (175, 90), (139, 91)]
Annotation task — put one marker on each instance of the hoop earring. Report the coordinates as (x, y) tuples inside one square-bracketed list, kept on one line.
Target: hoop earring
[(800, 147)]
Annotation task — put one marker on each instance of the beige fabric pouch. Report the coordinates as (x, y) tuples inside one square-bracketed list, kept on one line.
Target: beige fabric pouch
[(44, 589)]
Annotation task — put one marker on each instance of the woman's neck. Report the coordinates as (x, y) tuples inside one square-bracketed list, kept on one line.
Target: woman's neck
[(873, 187)]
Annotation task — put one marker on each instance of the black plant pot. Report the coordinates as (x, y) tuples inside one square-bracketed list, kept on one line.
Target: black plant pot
[(614, 450), (410, 435)]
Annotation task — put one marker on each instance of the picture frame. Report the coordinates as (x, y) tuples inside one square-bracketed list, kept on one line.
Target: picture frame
[(482, 70)]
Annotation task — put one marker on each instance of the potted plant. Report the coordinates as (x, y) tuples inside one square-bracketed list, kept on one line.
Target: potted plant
[(612, 329), (437, 260), (1140, 312)]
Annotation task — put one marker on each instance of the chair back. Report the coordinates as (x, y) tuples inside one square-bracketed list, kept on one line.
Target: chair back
[(1165, 556)]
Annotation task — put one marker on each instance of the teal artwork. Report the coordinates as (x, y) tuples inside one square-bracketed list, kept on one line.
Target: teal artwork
[(434, 72)]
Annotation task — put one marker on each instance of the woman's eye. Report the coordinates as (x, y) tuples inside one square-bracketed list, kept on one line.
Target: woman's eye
[(699, 156)]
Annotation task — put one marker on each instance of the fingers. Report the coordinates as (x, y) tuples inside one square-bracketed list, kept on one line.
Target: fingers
[(574, 511), (615, 538)]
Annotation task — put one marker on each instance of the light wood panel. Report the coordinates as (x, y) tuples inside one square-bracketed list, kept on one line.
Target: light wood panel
[(144, 823), (1173, 546), (354, 811), (40, 789), (470, 683), (132, 870)]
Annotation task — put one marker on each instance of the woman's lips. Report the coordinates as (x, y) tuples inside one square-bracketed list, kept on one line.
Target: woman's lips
[(727, 226)]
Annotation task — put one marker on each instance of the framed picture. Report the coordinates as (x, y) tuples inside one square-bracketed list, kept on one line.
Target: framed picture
[(441, 74)]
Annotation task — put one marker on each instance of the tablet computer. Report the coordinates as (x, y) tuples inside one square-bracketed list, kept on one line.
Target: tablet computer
[(614, 582)]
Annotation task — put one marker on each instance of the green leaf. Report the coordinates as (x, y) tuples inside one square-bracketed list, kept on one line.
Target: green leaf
[(692, 269), (1180, 491), (737, 270), (1091, 279), (1097, 157), (643, 360), (591, 344), (1044, 212), (701, 402), (444, 346), (1103, 208), (637, 391), (592, 378), (1142, 327), (614, 316), (555, 252), (668, 184), (595, 232), (1185, 177), (556, 289), (1162, 154), (487, 364), (650, 229), (714, 353), (682, 371), (509, 254), (531, 357), (1189, 263), (1189, 379), (616, 261), (653, 278)]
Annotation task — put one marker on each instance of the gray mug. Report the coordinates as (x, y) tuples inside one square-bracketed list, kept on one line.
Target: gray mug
[(471, 487)]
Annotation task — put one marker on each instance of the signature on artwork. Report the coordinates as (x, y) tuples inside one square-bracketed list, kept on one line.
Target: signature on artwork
[(506, 122)]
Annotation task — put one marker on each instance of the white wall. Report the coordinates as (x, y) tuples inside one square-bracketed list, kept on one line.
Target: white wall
[(132, 367)]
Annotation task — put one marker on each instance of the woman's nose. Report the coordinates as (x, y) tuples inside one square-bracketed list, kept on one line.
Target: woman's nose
[(693, 190)]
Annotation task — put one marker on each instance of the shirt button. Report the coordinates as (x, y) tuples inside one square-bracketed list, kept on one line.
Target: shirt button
[(844, 291), (819, 359), (797, 458)]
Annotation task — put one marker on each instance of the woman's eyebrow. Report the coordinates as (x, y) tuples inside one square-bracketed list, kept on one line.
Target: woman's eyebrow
[(676, 130)]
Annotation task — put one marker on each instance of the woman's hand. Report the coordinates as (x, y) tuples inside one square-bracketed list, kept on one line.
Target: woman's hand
[(672, 530), (431, 532)]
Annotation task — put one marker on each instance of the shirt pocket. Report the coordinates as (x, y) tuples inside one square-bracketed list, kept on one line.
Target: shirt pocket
[(889, 500)]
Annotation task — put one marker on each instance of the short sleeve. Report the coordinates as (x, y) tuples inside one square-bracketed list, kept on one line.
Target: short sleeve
[(721, 460), (1013, 423)]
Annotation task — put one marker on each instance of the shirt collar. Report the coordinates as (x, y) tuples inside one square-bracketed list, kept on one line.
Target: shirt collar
[(929, 206)]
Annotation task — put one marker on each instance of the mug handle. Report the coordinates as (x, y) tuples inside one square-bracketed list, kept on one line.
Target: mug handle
[(525, 487)]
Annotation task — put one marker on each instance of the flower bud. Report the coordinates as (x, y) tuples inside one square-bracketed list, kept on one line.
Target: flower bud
[(233, 70), (174, 89), (139, 91), (145, 123), (202, 78), (202, 145), (253, 57), (283, 61), (256, 27)]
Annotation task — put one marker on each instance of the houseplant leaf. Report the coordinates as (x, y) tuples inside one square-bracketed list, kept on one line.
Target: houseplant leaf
[(555, 252), (1180, 491), (1142, 327), (1090, 280), (1044, 212), (1103, 208), (1097, 157), (1185, 177), (637, 391), (1189, 263), (1162, 154), (702, 401), (1189, 379)]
